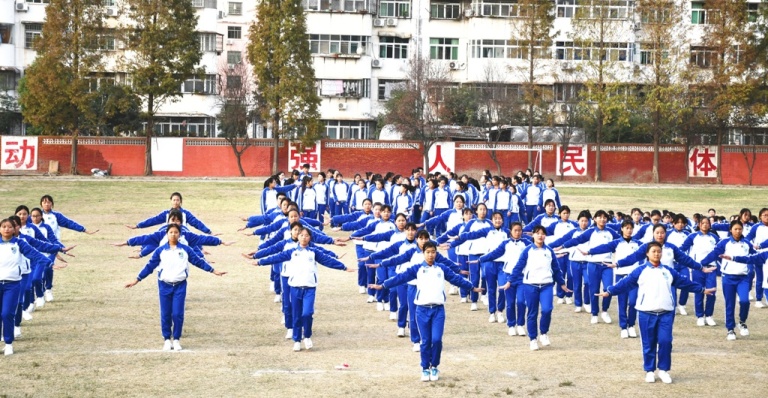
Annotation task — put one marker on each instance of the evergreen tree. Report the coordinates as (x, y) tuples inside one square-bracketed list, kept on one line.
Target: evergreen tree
[(279, 54)]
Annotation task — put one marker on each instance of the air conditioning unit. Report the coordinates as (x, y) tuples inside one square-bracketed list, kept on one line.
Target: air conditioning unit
[(564, 108), (391, 21), (222, 14), (635, 27), (120, 45), (453, 65), (469, 12), (379, 22), (342, 107), (375, 63), (230, 42), (636, 69), (22, 6), (112, 12), (566, 66)]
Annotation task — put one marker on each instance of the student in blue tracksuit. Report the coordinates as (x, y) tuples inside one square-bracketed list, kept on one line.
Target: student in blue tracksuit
[(556, 231), (172, 261), (737, 277), (351, 221), (578, 266), (417, 192), (532, 197), (507, 253), (402, 201), (543, 219), (357, 194), (307, 199), (503, 201), (430, 279), (36, 217), (677, 236), (34, 294), (698, 245), (644, 233), (269, 194), (537, 271), (461, 252), (302, 271), (622, 248), (427, 206), (441, 202), (599, 269), (477, 247), (656, 308), (340, 196), (378, 193), (162, 217), (381, 225), (14, 253), (550, 192), (757, 235), (322, 196)]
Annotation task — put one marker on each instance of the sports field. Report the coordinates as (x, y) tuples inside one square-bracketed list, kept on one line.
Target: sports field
[(100, 339)]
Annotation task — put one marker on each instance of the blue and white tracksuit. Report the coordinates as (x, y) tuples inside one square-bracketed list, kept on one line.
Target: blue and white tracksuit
[(623, 248), (537, 270), (188, 219), (352, 222), (758, 234), (532, 197), (488, 238), (477, 247), (677, 238), (429, 300), (459, 254), (322, 197), (172, 266), (543, 219), (578, 267), (656, 308), (598, 272), (507, 253), (550, 193), (340, 195), (736, 279), (269, 197), (381, 274), (698, 246), (556, 231)]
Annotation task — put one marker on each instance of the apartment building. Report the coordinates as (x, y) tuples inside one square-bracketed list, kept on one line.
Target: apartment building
[(361, 50)]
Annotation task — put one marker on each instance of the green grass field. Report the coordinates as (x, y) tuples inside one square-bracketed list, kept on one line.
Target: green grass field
[(99, 339)]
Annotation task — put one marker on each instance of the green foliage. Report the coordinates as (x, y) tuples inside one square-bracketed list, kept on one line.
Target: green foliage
[(116, 110), (10, 113), (282, 65), (462, 107)]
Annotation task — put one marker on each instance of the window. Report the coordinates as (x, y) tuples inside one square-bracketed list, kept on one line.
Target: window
[(337, 44), (565, 8), (698, 13), (658, 14), (497, 91), (234, 57), (567, 92), (489, 48), (335, 5), (7, 81), (234, 32), (570, 51), (445, 11), (386, 87), (197, 85), (355, 5), (703, 57), (521, 49), (100, 80), (108, 3), (496, 8), (234, 82), (443, 48), (393, 47), (38, 1), (107, 43), (235, 8), (394, 8), (185, 126), (348, 129), (343, 88), (5, 33), (198, 3), (648, 53), (32, 32), (753, 11), (207, 42)]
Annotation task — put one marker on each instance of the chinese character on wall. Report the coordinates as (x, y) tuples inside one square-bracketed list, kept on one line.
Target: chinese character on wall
[(574, 160), (442, 158), (703, 162), (310, 156), (19, 153)]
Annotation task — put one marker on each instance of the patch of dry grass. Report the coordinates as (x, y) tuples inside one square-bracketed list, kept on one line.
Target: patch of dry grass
[(99, 339)]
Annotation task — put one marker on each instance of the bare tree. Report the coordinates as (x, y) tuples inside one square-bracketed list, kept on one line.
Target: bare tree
[(238, 103)]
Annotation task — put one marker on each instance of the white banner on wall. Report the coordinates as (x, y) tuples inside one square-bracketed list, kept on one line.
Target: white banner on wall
[(168, 154), (574, 160), (442, 157), (310, 156), (19, 153), (702, 161)]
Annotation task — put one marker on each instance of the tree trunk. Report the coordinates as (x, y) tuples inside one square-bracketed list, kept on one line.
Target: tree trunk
[(239, 156), (496, 161), (276, 141), (720, 155), (599, 141), (73, 157), (656, 139), (149, 130)]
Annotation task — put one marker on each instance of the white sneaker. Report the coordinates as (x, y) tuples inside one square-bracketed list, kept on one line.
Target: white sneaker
[(534, 345), (289, 334), (587, 308), (271, 286), (425, 375), (416, 347), (297, 346), (665, 377), (606, 317), (362, 290), (759, 304), (379, 306), (16, 332), (278, 298), (31, 307), (577, 309), (700, 322), (624, 334), (8, 350), (512, 331), (632, 333), (743, 329), (370, 299), (400, 332), (434, 375), (176, 345), (473, 307), (561, 301), (26, 315), (453, 291), (520, 330), (682, 311), (308, 343), (492, 318), (649, 377), (48, 295), (710, 321), (40, 302), (393, 316), (593, 320), (167, 345), (500, 318), (544, 340), (568, 300), (731, 336), (484, 299), (463, 300)]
